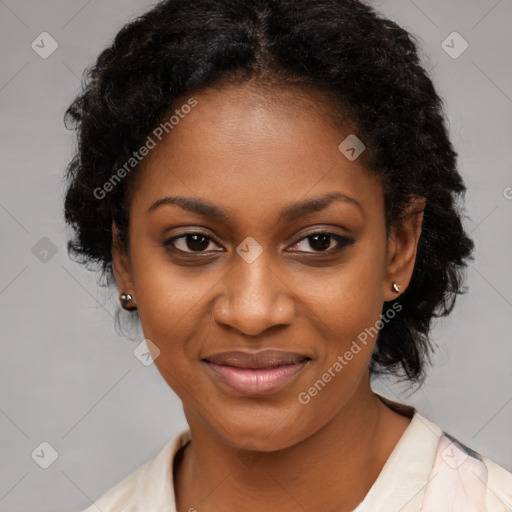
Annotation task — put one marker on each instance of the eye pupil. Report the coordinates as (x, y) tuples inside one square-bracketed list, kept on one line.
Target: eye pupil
[(322, 241), (199, 242)]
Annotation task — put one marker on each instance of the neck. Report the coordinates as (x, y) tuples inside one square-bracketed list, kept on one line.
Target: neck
[(332, 469)]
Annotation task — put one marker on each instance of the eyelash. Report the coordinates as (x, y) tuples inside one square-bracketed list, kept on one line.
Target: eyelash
[(342, 241)]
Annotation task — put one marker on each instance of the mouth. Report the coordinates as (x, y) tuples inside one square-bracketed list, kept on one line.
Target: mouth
[(259, 373)]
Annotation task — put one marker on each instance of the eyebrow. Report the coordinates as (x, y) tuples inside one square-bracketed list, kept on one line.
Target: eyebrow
[(289, 213)]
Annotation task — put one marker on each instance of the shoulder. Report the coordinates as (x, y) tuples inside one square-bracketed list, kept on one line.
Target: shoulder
[(466, 479), (499, 487), (150, 484)]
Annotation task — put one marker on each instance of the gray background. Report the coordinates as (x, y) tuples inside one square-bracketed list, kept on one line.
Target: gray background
[(69, 379)]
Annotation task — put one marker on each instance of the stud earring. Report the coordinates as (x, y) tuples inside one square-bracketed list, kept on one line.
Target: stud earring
[(395, 287), (126, 298)]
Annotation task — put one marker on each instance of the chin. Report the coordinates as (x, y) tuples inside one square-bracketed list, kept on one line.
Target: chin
[(275, 432)]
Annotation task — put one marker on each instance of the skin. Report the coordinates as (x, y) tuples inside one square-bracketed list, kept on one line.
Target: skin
[(254, 154)]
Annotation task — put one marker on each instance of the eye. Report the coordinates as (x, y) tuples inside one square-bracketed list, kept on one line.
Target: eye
[(322, 241), (190, 242)]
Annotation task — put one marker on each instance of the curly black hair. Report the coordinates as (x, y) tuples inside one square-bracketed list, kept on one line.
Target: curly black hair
[(368, 70)]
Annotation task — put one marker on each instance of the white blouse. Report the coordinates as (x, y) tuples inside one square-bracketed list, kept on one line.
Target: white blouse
[(427, 471)]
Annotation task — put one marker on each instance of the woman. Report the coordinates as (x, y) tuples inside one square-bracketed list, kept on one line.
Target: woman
[(272, 186)]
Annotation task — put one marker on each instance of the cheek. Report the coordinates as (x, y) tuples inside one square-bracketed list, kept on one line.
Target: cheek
[(349, 298), (170, 302), (346, 310), (169, 296), (178, 339)]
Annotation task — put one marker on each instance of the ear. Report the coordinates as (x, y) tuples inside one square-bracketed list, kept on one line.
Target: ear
[(402, 246), (121, 265)]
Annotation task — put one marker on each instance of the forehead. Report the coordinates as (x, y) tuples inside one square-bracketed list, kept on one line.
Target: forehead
[(259, 150)]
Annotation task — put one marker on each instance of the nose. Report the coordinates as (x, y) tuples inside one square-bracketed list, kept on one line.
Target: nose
[(254, 298)]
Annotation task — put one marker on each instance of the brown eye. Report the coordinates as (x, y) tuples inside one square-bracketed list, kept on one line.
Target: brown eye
[(190, 242), (322, 241)]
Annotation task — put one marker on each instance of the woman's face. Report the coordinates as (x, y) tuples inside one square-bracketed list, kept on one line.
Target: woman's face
[(250, 279)]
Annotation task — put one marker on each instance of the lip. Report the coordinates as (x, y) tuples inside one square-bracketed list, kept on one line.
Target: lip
[(257, 373), (256, 360)]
